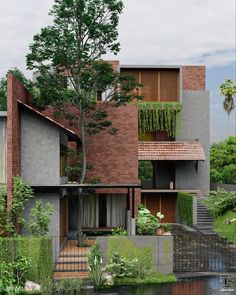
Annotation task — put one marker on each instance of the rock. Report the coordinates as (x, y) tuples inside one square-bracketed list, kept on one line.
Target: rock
[(234, 209), (31, 286), (109, 281)]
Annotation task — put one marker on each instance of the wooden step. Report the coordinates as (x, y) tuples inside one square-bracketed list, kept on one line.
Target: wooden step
[(70, 275), (72, 259), (71, 266)]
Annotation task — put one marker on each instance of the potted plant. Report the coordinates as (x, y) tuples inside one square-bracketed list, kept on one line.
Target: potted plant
[(166, 228), (159, 231)]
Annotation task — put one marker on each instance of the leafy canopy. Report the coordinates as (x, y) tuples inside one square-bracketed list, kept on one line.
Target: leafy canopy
[(71, 73), (223, 161), (228, 90), (70, 52), (3, 86)]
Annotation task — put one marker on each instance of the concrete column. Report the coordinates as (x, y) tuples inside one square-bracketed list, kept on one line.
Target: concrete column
[(133, 227), (128, 222), (194, 209)]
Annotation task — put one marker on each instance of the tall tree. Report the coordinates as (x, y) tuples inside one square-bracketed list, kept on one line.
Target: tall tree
[(70, 52), (228, 90)]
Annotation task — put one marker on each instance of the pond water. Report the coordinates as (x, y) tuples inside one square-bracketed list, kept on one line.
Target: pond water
[(196, 286)]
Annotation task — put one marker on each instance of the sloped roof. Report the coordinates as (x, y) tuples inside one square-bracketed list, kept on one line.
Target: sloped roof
[(71, 134), (171, 150)]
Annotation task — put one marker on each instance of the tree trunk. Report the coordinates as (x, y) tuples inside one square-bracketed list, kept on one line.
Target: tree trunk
[(80, 235)]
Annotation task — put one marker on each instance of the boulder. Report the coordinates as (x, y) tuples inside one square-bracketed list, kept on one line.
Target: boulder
[(32, 287), (108, 278)]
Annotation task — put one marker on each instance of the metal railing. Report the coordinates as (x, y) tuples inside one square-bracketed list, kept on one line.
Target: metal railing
[(204, 253)]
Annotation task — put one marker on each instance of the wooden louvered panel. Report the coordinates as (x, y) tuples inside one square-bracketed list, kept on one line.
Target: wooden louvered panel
[(158, 84), (149, 78), (169, 85)]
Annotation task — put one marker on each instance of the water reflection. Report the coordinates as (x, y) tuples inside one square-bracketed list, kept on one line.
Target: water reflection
[(204, 286)]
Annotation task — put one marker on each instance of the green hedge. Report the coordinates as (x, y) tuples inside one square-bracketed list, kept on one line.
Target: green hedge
[(185, 208), (38, 249)]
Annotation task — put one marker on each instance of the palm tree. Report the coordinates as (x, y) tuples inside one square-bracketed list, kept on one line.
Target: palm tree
[(228, 90)]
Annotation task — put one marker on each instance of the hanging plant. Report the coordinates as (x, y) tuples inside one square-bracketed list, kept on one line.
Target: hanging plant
[(158, 116)]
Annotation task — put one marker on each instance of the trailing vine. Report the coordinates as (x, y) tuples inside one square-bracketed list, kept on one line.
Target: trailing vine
[(158, 116)]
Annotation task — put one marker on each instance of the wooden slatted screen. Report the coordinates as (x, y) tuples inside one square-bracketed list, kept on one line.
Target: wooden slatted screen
[(159, 84), (169, 85)]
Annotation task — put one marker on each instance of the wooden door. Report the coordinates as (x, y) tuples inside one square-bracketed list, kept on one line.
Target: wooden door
[(164, 203), (152, 203), (168, 207)]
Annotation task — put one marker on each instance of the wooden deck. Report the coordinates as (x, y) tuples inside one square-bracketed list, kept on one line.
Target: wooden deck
[(72, 261)]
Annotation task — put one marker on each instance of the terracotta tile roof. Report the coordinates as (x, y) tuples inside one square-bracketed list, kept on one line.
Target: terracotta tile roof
[(71, 134), (171, 150)]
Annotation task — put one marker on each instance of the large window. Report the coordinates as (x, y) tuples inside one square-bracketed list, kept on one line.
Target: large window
[(159, 84), (3, 152)]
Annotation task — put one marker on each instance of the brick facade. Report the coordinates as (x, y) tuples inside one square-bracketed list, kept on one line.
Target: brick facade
[(15, 91), (194, 77), (114, 157)]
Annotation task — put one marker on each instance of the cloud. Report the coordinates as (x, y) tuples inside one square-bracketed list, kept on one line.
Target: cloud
[(151, 31), (178, 32)]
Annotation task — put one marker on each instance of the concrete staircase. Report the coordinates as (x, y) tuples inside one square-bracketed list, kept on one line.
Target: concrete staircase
[(204, 220)]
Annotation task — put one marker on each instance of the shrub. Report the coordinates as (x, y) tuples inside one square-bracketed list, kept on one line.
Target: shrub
[(145, 170), (166, 227), (121, 267), (119, 231), (130, 252), (220, 201), (146, 222), (223, 159), (36, 249), (9, 218), (95, 266), (185, 208), (229, 174), (68, 286), (14, 273), (40, 218)]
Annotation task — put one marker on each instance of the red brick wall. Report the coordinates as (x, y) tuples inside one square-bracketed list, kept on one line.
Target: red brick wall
[(15, 91), (115, 157), (194, 77)]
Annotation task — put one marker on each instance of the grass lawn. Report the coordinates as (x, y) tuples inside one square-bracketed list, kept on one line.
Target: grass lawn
[(155, 278), (227, 231)]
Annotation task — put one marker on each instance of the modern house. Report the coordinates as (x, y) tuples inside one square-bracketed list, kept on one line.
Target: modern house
[(176, 144)]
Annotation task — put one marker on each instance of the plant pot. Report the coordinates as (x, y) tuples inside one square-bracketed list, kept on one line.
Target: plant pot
[(167, 233), (159, 232)]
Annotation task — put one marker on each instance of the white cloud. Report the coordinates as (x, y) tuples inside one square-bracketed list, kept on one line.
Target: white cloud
[(151, 31)]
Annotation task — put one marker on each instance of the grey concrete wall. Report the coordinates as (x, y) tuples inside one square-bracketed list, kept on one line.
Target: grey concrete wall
[(54, 199), (40, 150), (227, 187), (194, 123), (162, 250)]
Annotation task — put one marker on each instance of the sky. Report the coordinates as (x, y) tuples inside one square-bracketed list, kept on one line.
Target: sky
[(161, 32)]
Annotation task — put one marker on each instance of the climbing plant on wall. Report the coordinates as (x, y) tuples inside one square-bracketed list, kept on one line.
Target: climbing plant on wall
[(158, 116)]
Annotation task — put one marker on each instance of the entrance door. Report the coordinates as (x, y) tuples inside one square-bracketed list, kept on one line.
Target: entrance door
[(102, 210)]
